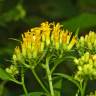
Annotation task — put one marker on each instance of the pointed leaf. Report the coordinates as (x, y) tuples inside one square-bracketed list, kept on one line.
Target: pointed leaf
[(58, 86)]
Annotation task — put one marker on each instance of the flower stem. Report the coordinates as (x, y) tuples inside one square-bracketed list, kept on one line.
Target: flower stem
[(23, 84), (49, 77), (39, 81), (83, 88)]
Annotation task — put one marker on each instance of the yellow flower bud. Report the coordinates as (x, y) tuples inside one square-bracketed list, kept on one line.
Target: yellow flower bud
[(42, 46), (12, 70), (68, 37), (76, 61), (14, 57), (90, 45), (34, 53), (86, 57), (71, 44), (94, 44), (86, 38), (18, 53), (92, 36), (94, 57), (82, 41)]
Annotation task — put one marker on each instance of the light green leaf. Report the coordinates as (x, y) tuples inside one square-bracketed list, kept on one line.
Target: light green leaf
[(4, 75)]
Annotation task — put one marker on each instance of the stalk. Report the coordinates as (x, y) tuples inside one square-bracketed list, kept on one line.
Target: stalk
[(49, 77), (83, 88), (39, 81), (23, 84)]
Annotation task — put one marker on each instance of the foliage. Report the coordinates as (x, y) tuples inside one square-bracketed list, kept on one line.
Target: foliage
[(18, 16), (42, 47)]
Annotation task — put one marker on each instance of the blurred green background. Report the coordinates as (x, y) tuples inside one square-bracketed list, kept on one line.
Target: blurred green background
[(17, 16)]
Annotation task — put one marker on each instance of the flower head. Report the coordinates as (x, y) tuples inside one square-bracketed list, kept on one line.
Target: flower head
[(39, 38), (86, 66), (87, 43), (12, 70), (92, 93)]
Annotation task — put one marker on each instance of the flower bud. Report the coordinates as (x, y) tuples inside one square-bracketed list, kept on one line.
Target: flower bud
[(90, 45), (86, 57), (94, 44), (34, 53), (71, 44), (14, 57), (12, 70), (82, 41), (42, 46), (76, 61)]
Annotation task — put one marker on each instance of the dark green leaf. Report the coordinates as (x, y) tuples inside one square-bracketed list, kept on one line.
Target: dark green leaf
[(12, 15), (83, 21)]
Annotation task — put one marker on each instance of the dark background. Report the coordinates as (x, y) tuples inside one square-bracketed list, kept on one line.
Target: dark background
[(17, 16)]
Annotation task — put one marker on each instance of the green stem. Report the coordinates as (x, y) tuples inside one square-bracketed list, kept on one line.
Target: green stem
[(2, 84), (58, 61), (49, 77), (70, 78), (83, 88), (23, 84), (15, 81), (56, 64), (39, 81)]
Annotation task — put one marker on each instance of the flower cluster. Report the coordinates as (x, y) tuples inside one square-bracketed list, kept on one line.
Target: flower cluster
[(92, 93), (12, 70), (35, 41), (87, 43), (48, 43), (86, 67)]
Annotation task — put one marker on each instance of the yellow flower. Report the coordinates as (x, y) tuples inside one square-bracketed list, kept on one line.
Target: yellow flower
[(46, 31), (56, 35), (17, 54), (39, 38), (64, 37), (86, 66), (12, 70), (92, 93), (87, 42), (72, 42)]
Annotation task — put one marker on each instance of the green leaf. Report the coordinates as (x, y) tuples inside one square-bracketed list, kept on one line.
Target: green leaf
[(87, 4), (83, 21), (58, 86), (4, 75), (12, 15), (35, 94), (70, 78)]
